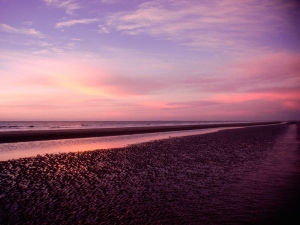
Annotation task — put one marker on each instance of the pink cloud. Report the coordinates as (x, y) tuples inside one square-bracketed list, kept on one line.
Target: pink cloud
[(164, 105), (295, 105), (190, 104), (124, 85), (274, 66), (241, 97)]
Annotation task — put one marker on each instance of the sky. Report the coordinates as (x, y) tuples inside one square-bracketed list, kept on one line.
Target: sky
[(150, 60)]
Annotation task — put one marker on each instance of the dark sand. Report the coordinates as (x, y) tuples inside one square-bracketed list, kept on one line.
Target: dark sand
[(40, 135), (229, 177)]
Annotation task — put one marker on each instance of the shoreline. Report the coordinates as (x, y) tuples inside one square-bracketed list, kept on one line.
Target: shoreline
[(43, 135)]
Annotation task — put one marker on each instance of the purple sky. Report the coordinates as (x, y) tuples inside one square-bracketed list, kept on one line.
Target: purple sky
[(149, 60)]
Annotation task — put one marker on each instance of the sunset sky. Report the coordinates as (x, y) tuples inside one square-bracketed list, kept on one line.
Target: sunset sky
[(149, 60)]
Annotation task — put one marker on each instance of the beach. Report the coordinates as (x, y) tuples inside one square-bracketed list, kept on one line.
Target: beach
[(240, 176)]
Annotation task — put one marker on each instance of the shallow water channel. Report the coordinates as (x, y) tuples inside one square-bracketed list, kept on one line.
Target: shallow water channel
[(33, 148)]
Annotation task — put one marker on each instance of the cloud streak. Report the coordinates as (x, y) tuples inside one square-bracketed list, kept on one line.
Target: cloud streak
[(74, 22), (68, 5), (211, 24), (26, 31)]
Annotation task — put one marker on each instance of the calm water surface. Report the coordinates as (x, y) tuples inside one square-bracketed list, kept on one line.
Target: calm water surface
[(57, 125), (29, 149)]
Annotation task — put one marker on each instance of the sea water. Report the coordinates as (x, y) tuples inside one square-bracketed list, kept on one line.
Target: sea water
[(59, 125)]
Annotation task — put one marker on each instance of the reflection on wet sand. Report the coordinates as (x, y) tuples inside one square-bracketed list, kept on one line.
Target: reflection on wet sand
[(28, 149)]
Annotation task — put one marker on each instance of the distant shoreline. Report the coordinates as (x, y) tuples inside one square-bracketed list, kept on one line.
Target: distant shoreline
[(42, 135)]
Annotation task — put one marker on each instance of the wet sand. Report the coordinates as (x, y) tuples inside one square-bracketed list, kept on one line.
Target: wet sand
[(24, 136), (239, 176)]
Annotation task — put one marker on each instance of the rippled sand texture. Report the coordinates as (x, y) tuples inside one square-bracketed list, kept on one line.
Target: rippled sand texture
[(229, 177)]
